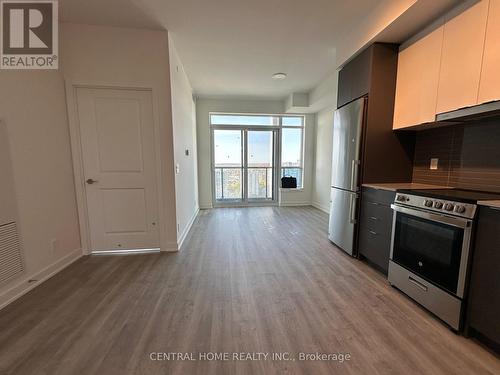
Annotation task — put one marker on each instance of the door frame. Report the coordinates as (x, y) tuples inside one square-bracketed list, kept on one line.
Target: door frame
[(245, 202), (77, 156)]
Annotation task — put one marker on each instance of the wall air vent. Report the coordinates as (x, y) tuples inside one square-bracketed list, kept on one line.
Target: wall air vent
[(11, 262)]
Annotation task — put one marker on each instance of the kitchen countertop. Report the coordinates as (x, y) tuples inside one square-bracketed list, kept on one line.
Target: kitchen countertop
[(403, 185), (495, 204)]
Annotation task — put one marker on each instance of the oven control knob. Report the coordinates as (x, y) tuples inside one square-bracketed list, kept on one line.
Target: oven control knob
[(460, 209), (438, 204), (401, 198), (428, 203), (449, 206)]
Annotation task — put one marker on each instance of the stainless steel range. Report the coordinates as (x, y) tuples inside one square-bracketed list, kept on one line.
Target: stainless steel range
[(431, 247)]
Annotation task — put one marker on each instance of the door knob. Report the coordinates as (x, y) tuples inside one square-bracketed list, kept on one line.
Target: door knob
[(91, 181)]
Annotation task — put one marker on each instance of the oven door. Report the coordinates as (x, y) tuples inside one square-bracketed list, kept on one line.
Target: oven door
[(433, 246)]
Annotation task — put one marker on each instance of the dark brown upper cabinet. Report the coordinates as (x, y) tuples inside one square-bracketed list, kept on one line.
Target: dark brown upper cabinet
[(354, 78), (386, 156)]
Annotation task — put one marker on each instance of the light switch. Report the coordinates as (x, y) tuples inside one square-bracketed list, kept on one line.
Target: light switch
[(434, 164), (186, 152)]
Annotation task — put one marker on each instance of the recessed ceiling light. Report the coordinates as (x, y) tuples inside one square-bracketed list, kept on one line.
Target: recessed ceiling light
[(279, 76)]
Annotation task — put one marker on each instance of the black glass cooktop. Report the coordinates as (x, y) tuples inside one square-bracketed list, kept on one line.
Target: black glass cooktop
[(458, 195)]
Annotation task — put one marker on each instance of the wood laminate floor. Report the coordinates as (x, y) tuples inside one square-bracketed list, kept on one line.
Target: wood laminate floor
[(247, 280)]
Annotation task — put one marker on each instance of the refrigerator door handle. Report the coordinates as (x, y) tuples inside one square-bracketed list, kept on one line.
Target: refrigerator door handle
[(354, 175), (352, 209)]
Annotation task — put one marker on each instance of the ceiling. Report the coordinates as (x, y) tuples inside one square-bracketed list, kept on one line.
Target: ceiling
[(232, 47), (120, 13)]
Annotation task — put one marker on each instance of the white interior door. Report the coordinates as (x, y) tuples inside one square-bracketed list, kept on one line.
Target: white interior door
[(117, 139)]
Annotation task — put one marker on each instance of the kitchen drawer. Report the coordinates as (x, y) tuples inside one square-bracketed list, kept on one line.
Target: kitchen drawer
[(377, 218), (378, 196), (444, 305), (375, 247), (375, 227)]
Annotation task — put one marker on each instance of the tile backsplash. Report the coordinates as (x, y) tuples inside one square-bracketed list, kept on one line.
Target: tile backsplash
[(469, 156)]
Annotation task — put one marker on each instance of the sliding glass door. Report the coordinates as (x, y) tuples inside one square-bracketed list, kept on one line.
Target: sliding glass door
[(260, 164), (244, 166)]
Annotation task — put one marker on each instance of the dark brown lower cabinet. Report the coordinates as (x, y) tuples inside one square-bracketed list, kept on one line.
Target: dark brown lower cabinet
[(375, 227), (483, 318)]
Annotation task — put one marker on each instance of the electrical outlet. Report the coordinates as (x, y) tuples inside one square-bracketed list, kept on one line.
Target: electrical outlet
[(434, 164)]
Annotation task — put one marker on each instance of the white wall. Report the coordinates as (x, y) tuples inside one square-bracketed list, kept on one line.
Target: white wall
[(323, 160), (112, 56), (33, 109), (324, 94), (184, 132), (205, 106)]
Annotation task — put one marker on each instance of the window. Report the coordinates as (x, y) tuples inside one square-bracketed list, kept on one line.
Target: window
[(292, 140), (293, 121), (246, 149)]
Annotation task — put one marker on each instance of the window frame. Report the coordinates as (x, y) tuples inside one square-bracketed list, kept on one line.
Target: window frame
[(302, 143)]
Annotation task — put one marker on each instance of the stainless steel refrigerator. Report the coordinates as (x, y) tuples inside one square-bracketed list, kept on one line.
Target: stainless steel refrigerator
[(346, 160)]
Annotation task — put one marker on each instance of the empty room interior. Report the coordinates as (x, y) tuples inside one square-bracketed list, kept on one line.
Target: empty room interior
[(249, 187)]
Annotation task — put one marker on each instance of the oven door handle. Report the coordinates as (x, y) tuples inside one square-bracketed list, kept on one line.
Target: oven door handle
[(417, 283), (445, 219)]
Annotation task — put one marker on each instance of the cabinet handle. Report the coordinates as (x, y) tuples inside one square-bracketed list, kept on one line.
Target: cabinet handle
[(374, 203), (373, 218), (372, 232)]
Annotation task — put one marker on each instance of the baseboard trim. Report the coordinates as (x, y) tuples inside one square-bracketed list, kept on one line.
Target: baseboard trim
[(321, 207), (171, 247), (24, 286), (125, 252), (206, 206), (185, 233), (291, 204)]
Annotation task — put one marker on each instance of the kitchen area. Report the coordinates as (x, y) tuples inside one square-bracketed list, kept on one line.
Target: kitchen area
[(415, 187)]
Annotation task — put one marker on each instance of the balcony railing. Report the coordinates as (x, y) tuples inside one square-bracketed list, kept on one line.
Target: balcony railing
[(229, 186)]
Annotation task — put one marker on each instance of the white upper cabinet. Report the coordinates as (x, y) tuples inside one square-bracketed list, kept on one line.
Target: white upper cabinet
[(489, 87), (417, 80), (461, 58)]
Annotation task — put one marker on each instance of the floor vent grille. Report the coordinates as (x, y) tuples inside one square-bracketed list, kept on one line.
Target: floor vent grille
[(11, 262)]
